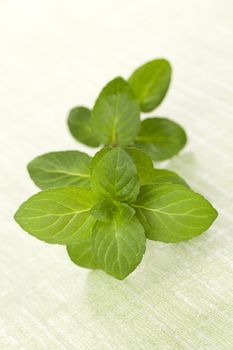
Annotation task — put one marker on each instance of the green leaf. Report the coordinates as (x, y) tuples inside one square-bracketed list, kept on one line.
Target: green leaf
[(95, 160), (115, 176), (80, 126), (59, 215), (116, 116), (150, 83), (106, 210), (161, 176), (82, 253), (57, 169), (119, 246), (140, 158), (173, 213), (142, 162), (161, 138)]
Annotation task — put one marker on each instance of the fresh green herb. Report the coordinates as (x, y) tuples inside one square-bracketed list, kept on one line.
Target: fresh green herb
[(118, 245), (60, 215), (160, 138), (58, 169), (104, 208), (79, 123), (115, 176), (173, 213), (116, 114), (159, 176), (150, 83)]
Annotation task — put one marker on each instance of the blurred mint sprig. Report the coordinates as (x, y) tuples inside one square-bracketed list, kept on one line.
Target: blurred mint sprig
[(104, 208)]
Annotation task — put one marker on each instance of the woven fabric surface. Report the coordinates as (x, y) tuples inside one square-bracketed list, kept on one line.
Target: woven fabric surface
[(57, 54)]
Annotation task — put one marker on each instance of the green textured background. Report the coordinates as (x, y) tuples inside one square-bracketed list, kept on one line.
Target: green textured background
[(57, 54)]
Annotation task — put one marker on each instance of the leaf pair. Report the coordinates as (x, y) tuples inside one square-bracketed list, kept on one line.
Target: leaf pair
[(105, 224), (115, 118)]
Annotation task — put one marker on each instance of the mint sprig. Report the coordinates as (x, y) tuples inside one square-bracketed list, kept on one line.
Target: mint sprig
[(104, 208)]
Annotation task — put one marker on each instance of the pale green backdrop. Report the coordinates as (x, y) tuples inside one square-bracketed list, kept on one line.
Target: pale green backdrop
[(56, 54)]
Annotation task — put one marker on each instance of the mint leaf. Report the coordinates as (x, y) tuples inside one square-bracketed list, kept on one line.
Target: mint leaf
[(142, 162), (95, 160), (161, 176), (57, 169), (115, 117), (140, 158), (80, 126), (106, 210), (115, 176), (82, 253), (119, 246), (173, 213), (59, 215), (150, 83), (160, 138)]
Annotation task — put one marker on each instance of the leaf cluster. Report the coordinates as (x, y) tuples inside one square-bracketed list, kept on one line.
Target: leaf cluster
[(104, 208)]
